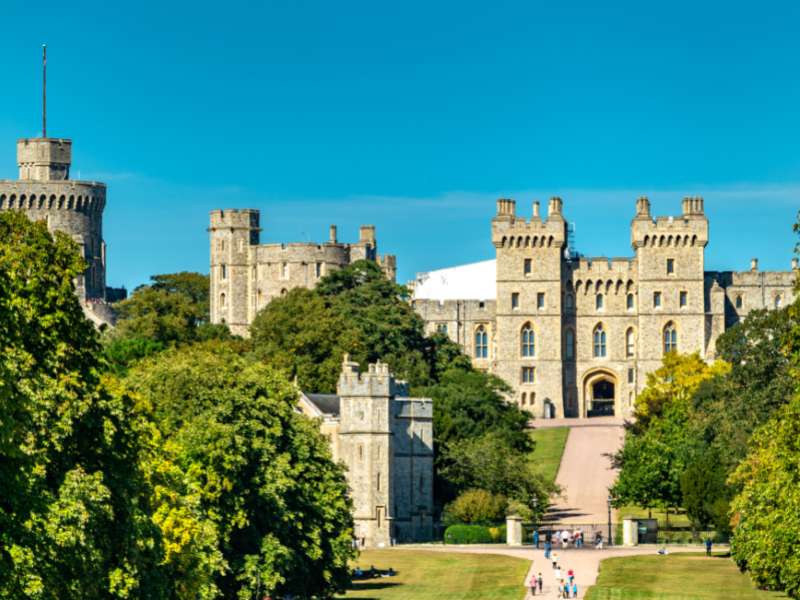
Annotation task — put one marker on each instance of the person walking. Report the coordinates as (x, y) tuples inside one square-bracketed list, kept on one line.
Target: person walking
[(532, 585), (571, 575), (536, 538), (574, 590), (548, 547), (539, 582), (708, 546), (554, 558)]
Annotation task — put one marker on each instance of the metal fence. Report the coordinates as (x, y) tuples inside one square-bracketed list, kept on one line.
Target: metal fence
[(588, 533)]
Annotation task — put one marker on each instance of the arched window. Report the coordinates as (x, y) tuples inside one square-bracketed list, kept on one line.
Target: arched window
[(523, 398), (222, 300), (630, 343), (528, 341), (569, 344), (599, 341), (629, 302), (778, 301), (481, 343), (598, 301), (670, 338), (739, 301)]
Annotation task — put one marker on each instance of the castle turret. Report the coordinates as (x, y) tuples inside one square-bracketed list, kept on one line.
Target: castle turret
[(366, 441), (233, 233)]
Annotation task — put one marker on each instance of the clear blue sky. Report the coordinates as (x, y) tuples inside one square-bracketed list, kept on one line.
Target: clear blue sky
[(414, 116)]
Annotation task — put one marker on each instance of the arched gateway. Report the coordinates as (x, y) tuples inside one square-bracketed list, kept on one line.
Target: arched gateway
[(599, 393)]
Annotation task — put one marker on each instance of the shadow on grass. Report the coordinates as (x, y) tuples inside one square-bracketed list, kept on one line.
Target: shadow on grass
[(361, 586)]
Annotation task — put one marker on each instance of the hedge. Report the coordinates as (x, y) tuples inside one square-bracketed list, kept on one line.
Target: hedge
[(474, 534)]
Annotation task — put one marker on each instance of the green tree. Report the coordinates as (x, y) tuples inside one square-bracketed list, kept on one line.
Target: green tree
[(74, 512), (478, 507), (489, 463), (173, 310), (248, 497), (766, 514)]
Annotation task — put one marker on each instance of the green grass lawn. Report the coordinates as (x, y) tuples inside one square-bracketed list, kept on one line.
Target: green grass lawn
[(674, 577), (549, 448), (425, 575)]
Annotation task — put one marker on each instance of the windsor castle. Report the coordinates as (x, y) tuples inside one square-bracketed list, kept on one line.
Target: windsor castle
[(573, 336)]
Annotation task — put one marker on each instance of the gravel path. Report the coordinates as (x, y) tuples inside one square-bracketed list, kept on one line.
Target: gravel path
[(585, 473)]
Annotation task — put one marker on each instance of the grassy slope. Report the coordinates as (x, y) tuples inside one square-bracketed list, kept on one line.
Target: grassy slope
[(674, 577), (549, 448), (425, 575)]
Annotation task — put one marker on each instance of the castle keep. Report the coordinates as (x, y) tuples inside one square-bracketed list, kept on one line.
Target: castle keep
[(44, 192), (246, 275), (575, 336), (385, 440)]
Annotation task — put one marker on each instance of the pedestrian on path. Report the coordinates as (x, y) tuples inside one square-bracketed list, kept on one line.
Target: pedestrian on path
[(536, 538), (532, 585), (539, 582), (548, 547), (574, 590), (708, 546), (571, 575)]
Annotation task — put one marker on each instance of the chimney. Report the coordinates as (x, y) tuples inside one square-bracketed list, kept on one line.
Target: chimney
[(643, 207), (332, 234), (554, 207), (536, 209), (754, 264), (506, 207)]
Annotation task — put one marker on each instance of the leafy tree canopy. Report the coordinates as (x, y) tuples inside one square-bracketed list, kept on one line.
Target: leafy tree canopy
[(74, 518), (173, 310), (249, 500)]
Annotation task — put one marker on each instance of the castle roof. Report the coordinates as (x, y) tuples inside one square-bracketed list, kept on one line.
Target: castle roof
[(327, 404), (474, 281)]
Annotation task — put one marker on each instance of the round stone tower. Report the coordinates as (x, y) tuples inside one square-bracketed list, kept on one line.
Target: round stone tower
[(44, 192)]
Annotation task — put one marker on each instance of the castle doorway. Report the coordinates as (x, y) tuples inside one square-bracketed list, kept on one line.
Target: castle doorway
[(599, 391)]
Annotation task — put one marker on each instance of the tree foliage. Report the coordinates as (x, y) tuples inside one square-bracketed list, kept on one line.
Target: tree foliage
[(477, 507), (173, 310), (248, 497), (767, 511), (74, 516)]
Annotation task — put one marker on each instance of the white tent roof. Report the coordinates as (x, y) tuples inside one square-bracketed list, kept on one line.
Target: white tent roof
[(475, 281)]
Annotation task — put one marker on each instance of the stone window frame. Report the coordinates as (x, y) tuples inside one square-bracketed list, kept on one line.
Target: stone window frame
[(657, 300), (540, 301), (569, 344), (739, 301), (481, 339), (223, 272), (527, 375), (527, 340), (599, 338), (527, 267), (670, 266), (630, 342), (599, 301), (778, 301), (631, 375), (669, 337), (630, 302), (683, 299), (441, 328), (514, 300)]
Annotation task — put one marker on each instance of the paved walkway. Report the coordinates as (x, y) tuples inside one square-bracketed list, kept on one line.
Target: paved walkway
[(585, 473), (585, 563)]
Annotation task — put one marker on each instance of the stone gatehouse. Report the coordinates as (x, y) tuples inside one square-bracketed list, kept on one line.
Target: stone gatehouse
[(574, 335)]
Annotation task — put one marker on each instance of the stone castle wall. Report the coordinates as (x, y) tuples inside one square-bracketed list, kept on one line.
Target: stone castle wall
[(44, 192), (246, 275), (565, 300)]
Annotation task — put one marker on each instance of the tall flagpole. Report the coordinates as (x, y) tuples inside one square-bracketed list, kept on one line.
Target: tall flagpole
[(44, 90)]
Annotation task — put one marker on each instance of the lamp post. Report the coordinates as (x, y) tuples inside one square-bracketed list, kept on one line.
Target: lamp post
[(536, 521), (609, 519)]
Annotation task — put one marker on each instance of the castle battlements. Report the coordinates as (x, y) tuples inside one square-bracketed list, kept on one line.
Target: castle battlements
[(377, 381), (511, 231)]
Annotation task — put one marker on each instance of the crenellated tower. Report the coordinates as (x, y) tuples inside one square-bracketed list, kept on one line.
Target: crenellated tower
[(366, 447), (528, 322)]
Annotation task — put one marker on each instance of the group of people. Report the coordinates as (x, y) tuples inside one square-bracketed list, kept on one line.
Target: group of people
[(565, 538), (567, 586)]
